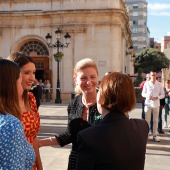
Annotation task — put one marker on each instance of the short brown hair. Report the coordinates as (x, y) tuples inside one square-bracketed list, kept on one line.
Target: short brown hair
[(117, 92)]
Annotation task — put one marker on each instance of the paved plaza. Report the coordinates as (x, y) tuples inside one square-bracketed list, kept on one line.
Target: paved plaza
[(54, 120)]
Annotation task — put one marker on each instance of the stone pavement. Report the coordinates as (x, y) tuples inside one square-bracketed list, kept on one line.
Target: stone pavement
[(54, 120)]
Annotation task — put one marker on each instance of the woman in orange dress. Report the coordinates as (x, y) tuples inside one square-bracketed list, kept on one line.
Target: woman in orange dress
[(29, 114)]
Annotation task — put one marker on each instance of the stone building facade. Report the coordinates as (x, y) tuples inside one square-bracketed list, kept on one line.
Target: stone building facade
[(99, 30)]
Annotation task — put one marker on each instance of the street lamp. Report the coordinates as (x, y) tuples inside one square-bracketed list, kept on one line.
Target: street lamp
[(58, 56)]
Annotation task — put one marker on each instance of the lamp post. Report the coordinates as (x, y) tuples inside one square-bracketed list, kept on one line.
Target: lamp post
[(58, 56)]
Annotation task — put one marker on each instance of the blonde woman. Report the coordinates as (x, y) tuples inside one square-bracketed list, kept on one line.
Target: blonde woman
[(82, 110)]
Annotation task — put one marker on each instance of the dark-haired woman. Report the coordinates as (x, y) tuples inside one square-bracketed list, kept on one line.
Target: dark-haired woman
[(15, 151), (29, 114)]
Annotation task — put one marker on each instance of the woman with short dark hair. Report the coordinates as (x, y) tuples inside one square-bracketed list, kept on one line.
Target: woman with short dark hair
[(117, 142)]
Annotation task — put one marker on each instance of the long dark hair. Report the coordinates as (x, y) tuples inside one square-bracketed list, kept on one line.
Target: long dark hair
[(22, 59), (9, 74)]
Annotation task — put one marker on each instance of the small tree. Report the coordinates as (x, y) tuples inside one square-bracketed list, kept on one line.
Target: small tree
[(151, 59)]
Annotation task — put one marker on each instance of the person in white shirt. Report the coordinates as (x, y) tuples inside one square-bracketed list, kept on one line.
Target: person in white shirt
[(47, 94), (153, 92)]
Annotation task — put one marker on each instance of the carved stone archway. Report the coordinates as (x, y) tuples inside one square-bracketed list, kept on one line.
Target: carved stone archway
[(37, 49)]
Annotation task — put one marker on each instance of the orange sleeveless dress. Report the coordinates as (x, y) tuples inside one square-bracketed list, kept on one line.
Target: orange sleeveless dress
[(31, 122)]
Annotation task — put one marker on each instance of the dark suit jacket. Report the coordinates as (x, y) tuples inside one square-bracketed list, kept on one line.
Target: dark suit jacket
[(117, 143), (37, 91)]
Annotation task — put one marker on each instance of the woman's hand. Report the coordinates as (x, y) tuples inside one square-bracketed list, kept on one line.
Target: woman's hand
[(51, 141)]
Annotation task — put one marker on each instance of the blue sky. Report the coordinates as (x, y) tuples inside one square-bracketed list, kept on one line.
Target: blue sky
[(158, 18)]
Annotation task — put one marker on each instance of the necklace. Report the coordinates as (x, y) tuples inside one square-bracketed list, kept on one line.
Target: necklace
[(88, 104)]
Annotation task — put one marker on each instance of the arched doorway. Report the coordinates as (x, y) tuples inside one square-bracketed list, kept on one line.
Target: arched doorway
[(39, 52)]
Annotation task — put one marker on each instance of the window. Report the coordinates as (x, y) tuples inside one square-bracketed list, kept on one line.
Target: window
[(135, 22), (34, 46), (135, 39), (39, 65), (135, 30), (135, 14), (135, 6)]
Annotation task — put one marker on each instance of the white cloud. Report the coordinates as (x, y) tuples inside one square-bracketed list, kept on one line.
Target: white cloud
[(158, 6), (160, 13)]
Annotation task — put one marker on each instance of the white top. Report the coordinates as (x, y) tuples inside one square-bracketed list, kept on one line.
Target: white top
[(48, 86), (154, 90)]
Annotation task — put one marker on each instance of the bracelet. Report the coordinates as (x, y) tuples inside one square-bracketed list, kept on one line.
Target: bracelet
[(51, 140)]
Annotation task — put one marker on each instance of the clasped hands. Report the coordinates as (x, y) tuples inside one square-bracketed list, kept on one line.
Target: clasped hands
[(153, 98)]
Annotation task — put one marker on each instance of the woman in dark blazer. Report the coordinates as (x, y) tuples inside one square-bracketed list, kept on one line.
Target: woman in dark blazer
[(82, 110), (117, 143)]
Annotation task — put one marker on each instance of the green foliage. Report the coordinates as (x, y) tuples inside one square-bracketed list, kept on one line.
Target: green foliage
[(139, 78), (151, 59)]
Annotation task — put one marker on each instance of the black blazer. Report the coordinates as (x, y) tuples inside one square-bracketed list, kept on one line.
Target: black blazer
[(37, 91), (117, 143)]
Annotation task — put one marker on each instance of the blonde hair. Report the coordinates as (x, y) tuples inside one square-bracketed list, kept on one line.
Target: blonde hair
[(80, 65)]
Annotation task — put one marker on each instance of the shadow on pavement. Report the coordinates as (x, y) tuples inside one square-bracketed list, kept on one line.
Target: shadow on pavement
[(53, 117)]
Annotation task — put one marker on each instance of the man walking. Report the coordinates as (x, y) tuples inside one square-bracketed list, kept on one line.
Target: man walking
[(153, 92)]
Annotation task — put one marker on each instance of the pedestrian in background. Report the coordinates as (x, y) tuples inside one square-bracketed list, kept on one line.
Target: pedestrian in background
[(36, 89), (153, 92), (143, 99), (117, 141), (29, 114), (15, 151), (82, 110), (47, 87), (167, 103), (41, 84), (44, 90), (162, 105)]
